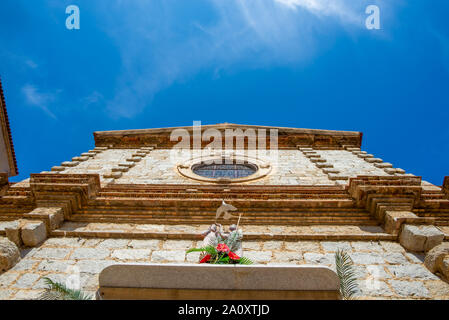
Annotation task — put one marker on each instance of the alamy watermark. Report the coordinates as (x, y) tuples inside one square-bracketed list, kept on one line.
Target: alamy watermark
[(372, 22), (228, 146), (73, 20)]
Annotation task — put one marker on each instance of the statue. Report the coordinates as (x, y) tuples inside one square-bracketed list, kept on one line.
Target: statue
[(214, 234)]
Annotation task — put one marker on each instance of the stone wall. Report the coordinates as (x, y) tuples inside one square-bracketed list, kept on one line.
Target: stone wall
[(156, 167), (384, 269)]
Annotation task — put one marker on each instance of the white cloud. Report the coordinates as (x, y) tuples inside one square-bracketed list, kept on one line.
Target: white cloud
[(39, 99), (158, 50), (30, 63), (94, 98)]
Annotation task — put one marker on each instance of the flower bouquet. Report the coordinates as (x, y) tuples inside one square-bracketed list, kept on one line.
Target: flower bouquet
[(221, 252)]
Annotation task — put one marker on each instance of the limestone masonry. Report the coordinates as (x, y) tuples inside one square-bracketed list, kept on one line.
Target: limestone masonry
[(127, 200)]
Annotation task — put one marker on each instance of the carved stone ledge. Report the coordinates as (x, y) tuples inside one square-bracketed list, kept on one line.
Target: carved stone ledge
[(66, 191), (380, 194), (395, 219)]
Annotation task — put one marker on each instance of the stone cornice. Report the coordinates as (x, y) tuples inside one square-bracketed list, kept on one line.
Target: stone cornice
[(288, 138), (363, 202)]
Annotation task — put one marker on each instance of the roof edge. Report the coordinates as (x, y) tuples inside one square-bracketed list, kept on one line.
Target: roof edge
[(7, 134), (288, 137)]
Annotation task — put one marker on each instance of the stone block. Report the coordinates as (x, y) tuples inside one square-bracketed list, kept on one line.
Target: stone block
[(390, 170), (86, 154), (435, 256), (112, 174), (58, 168), (395, 219), (331, 170), (399, 170), (13, 233), (324, 165), (420, 238), (334, 176), (444, 266), (56, 219), (55, 216), (317, 160), (69, 164), (312, 155), (33, 233), (383, 165), (9, 254), (373, 160), (120, 169), (126, 164)]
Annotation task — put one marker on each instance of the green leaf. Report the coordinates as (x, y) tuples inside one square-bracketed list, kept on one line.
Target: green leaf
[(244, 260), (346, 274), (209, 249), (58, 291)]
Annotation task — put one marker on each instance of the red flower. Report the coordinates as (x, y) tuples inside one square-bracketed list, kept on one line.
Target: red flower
[(233, 256), (206, 258), (223, 247)]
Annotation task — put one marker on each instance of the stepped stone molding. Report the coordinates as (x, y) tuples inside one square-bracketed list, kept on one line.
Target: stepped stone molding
[(377, 162), (321, 163), (381, 194), (117, 171), (77, 160), (391, 201)]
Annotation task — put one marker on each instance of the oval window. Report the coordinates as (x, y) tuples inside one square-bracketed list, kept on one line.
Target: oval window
[(224, 170)]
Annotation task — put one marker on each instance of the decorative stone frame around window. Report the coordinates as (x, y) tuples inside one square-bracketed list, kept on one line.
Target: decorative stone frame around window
[(261, 167)]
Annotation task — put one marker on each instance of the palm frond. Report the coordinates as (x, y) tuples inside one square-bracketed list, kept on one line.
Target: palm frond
[(58, 291), (346, 274), (244, 260), (208, 249)]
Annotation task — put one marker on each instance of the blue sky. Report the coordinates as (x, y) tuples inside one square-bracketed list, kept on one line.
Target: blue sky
[(296, 63)]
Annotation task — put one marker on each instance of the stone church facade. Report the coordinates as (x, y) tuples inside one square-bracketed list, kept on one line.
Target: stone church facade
[(134, 198)]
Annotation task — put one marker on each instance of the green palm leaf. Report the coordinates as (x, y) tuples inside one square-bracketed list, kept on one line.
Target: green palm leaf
[(346, 274), (58, 291), (209, 249), (244, 260)]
